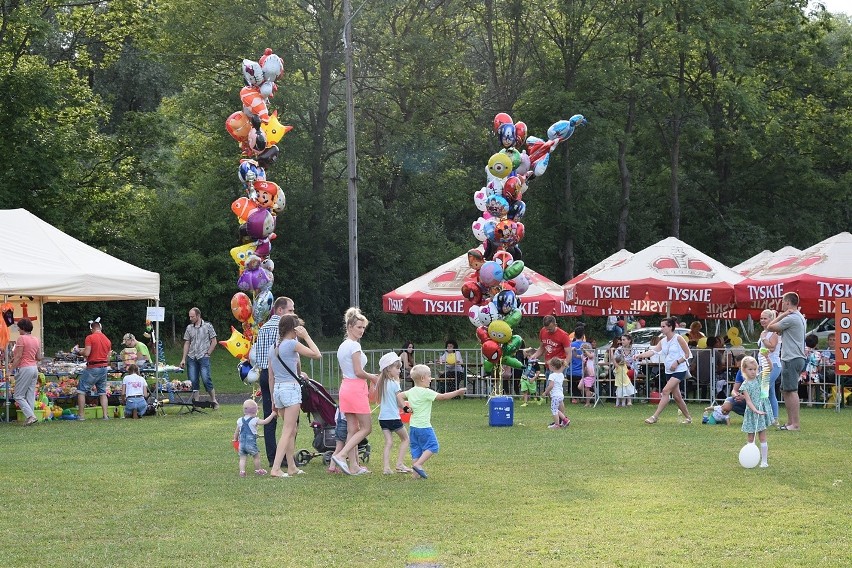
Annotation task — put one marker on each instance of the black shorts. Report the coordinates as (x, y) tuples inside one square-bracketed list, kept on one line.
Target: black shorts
[(392, 425)]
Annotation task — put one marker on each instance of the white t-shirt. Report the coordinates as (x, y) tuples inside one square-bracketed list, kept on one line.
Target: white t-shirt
[(252, 424), (557, 379), (134, 385), (345, 352)]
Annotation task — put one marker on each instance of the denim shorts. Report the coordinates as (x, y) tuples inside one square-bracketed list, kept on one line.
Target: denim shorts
[(392, 425), (249, 449), (340, 429), (287, 394), (137, 403), (423, 439), (95, 377)]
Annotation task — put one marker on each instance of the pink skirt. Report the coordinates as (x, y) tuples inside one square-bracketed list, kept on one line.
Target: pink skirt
[(353, 397)]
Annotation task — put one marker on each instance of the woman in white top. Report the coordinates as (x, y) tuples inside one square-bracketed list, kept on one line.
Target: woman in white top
[(675, 355), (353, 397), (769, 339), (285, 388)]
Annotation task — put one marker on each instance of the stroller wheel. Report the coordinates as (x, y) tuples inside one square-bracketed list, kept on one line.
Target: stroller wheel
[(326, 458), (364, 453), (303, 457)]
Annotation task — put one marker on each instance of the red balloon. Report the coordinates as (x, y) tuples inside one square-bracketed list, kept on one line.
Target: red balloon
[(482, 334), (501, 118), (520, 134), (492, 351), (503, 257), (513, 188), (472, 292)]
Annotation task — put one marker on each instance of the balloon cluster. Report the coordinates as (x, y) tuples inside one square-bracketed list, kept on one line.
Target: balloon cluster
[(498, 279), (258, 133)]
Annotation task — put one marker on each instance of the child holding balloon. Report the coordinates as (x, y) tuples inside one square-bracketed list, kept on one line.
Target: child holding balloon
[(758, 414)]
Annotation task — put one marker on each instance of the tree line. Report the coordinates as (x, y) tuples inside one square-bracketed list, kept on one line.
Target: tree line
[(725, 124)]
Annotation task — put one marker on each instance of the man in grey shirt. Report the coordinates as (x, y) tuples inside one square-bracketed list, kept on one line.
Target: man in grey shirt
[(790, 326)]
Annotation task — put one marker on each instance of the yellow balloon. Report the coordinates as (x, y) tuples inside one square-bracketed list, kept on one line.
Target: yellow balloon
[(733, 332), (702, 343), (500, 165), (736, 341), (237, 345), (241, 253), (499, 331)]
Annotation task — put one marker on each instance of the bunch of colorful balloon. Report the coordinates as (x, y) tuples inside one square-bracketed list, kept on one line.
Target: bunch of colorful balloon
[(498, 279), (258, 133)]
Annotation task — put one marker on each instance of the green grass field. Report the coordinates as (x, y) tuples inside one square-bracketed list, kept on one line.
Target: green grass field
[(607, 491)]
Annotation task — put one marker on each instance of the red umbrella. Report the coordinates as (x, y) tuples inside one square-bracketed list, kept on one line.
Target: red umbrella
[(438, 292), (819, 274)]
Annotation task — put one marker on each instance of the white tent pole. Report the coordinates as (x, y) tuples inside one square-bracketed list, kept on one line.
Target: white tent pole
[(6, 369), (157, 359)]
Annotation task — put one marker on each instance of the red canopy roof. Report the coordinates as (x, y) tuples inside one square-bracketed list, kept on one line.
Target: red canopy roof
[(668, 277), (438, 292), (819, 274)]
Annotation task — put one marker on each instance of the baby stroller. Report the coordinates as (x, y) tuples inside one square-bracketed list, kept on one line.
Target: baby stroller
[(320, 408)]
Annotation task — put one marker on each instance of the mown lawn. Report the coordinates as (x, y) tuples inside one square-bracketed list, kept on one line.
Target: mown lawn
[(608, 491)]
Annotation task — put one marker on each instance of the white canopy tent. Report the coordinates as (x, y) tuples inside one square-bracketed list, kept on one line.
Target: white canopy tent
[(42, 264)]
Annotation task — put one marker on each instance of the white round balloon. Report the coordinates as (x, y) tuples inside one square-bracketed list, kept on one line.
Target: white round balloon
[(253, 376), (479, 198), (477, 228), (750, 455), (473, 315)]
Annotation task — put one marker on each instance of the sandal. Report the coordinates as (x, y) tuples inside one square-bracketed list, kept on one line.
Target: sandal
[(651, 420), (30, 421), (362, 471), (403, 469), (387, 472), (686, 421), (260, 472), (242, 474)]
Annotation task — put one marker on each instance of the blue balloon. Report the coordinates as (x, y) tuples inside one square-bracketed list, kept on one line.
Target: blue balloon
[(497, 205), (506, 134), (517, 210)]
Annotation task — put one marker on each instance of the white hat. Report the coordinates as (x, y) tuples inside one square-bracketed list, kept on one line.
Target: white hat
[(387, 360)]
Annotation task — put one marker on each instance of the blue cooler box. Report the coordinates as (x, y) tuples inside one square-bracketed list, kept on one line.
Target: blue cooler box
[(501, 411)]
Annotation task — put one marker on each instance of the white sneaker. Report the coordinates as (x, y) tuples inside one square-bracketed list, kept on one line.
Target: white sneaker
[(552, 426), (764, 464)]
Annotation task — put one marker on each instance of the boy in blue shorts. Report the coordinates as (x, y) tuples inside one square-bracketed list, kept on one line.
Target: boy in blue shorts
[(418, 400)]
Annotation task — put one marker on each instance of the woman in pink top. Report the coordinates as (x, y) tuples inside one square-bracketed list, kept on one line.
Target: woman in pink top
[(25, 360)]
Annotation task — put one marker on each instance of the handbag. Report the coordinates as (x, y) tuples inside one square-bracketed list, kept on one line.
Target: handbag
[(306, 393)]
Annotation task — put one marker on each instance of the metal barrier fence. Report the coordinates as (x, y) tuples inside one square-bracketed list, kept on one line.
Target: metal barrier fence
[(446, 377), (713, 372)]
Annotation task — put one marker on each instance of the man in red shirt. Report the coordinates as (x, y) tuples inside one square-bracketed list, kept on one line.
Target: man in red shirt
[(96, 353), (555, 342)]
